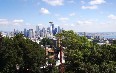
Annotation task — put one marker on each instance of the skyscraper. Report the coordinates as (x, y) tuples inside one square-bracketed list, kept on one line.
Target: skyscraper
[(31, 33), (48, 30), (25, 32), (59, 30), (52, 27), (43, 32), (37, 28), (37, 32), (51, 30), (55, 31)]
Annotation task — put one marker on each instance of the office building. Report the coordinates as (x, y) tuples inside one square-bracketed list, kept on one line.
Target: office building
[(31, 33)]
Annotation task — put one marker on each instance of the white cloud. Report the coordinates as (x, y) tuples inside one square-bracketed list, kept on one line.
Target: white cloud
[(93, 4), (54, 2), (72, 14), (68, 26), (44, 11), (85, 22), (4, 22), (13, 22), (111, 16), (95, 26), (82, 2), (9, 25), (17, 22), (96, 2), (64, 19), (89, 7), (89, 25), (3, 19), (72, 25)]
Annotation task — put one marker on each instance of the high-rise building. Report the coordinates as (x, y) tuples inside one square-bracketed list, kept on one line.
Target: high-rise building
[(59, 30), (37, 28), (55, 31), (48, 30), (37, 32), (25, 32), (52, 27), (43, 32), (51, 30), (31, 33)]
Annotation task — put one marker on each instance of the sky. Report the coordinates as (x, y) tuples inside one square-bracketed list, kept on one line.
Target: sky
[(77, 15)]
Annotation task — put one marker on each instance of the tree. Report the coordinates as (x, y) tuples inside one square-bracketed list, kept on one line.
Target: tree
[(19, 50), (72, 41), (46, 41), (114, 41), (83, 56)]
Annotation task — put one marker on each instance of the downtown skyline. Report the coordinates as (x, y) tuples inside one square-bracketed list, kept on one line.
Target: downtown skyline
[(77, 15)]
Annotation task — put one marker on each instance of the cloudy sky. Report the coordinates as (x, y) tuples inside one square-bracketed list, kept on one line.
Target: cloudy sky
[(77, 15)]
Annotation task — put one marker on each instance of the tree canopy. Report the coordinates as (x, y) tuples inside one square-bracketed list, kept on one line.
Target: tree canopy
[(83, 56), (21, 51), (46, 41)]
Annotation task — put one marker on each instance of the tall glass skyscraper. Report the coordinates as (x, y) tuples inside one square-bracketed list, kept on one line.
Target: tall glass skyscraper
[(31, 33)]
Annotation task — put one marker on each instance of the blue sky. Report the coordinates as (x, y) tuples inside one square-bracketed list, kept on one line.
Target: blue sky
[(77, 15)]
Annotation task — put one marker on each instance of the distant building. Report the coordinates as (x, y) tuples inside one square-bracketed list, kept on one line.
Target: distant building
[(51, 32), (31, 33), (25, 33), (55, 31), (37, 32), (59, 29), (4, 34), (37, 28), (48, 32)]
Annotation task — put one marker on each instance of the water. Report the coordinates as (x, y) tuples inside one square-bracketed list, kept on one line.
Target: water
[(107, 35)]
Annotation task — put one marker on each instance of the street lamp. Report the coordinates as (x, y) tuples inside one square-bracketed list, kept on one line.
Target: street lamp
[(17, 68)]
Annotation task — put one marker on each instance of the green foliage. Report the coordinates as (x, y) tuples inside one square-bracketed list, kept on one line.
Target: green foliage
[(18, 50), (46, 41), (73, 41), (114, 41), (83, 56)]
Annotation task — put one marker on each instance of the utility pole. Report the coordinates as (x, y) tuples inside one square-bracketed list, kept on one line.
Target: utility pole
[(61, 64), (0, 40)]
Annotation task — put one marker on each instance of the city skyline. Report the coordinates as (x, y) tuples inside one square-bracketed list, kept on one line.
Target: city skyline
[(36, 34), (77, 15)]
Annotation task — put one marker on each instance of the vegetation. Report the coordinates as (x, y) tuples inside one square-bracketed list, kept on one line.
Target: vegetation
[(83, 56), (46, 41), (18, 50)]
